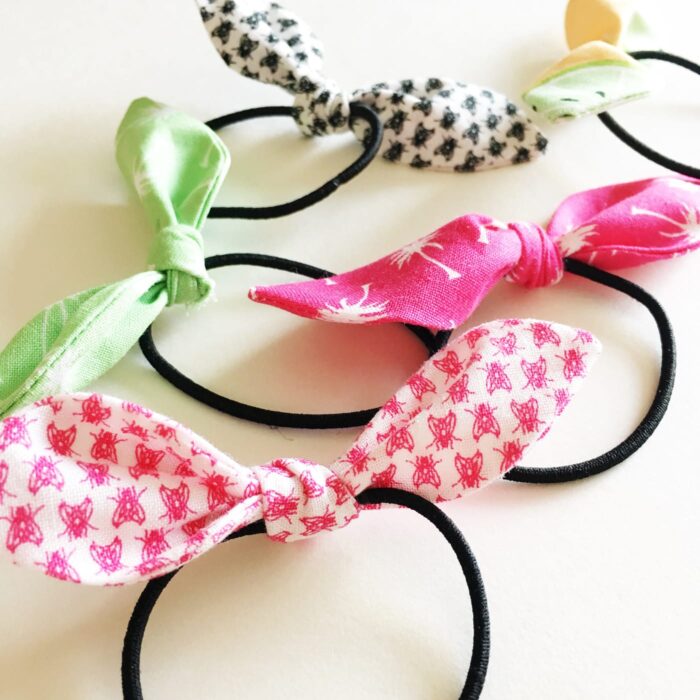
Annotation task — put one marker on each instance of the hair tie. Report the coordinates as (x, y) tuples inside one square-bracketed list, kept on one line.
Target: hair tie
[(478, 664), (370, 144), (100, 491), (433, 123), (607, 39), (617, 226), (432, 342), (176, 165)]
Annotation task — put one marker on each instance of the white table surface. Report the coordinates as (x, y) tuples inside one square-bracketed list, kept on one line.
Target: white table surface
[(593, 587)]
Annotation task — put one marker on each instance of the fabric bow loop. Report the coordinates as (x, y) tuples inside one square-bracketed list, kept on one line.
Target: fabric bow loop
[(433, 123), (178, 252), (437, 281), (300, 498), (540, 263), (175, 165), (322, 110), (101, 491)]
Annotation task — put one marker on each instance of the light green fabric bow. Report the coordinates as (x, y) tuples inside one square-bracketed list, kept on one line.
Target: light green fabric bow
[(176, 165)]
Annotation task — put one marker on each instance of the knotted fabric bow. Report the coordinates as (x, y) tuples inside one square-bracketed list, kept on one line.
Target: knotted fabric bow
[(176, 165), (431, 123), (598, 73), (438, 281), (95, 490)]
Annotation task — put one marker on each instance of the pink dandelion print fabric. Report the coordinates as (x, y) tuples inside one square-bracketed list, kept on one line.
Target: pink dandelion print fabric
[(97, 490), (438, 281)]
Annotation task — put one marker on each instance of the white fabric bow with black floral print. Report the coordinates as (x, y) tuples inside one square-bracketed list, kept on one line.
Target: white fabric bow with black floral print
[(434, 123)]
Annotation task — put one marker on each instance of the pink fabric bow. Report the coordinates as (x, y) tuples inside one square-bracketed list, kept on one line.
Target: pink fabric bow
[(96, 490), (439, 280)]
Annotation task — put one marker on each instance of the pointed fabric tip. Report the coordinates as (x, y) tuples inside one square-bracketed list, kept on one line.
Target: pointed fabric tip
[(429, 123), (96, 490), (438, 281), (176, 165), (593, 78)]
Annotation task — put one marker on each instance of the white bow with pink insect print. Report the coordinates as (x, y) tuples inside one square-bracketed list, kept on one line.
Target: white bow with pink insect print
[(96, 490)]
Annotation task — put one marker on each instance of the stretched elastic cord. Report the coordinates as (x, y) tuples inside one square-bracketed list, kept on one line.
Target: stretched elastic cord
[(478, 664), (571, 472), (351, 419), (637, 145), (370, 146)]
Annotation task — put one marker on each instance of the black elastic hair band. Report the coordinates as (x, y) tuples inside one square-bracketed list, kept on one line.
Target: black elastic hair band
[(352, 419), (478, 664), (637, 145), (370, 147), (532, 475)]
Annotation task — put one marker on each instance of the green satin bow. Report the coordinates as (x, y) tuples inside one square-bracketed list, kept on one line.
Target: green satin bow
[(176, 165)]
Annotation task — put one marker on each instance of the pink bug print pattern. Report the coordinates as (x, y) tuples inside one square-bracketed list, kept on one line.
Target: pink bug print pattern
[(155, 543), (420, 385), (15, 431), (147, 461), (506, 345), (536, 373), (358, 458), (485, 421), (167, 432), (92, 411), (105, 446), (280, 505), (393, 407), (527, 415), (24, 528), (45, 474), (96, 474), (129, 508), (443, 431), (397, 439), (315, 524), (511, 452), (497, 377), (450, 364), (469, 470), (385, 479), (133, 428), (55, 405), (543, 333), (57, 566), (108, 556), (176, 502), (61, 441), (217, 486), (310, 487), (458, 392), (574, 365), (95, 490), (426, 472), (76, 518)]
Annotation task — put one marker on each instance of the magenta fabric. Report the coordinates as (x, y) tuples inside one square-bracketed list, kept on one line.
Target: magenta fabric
[(438, 281)]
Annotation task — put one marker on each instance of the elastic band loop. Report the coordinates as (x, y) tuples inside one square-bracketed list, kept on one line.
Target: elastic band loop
[(283, 419), (370, 147), (637, 145), (618, 454), (478, 664)]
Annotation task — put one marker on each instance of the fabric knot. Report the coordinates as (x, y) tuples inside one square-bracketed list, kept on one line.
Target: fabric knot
[(321, 109), (177, 252), (540, 263), (301, 499)]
